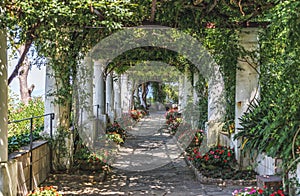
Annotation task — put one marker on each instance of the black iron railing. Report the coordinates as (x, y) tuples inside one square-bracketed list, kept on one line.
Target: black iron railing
[(30, 119)]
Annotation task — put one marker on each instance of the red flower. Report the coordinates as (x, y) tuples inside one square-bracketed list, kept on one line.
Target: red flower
[(260, 191), (280, 192), (206, 157), (229, 154)]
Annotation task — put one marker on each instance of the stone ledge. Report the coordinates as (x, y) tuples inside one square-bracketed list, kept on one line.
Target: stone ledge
[(217, 181), (26, 149)]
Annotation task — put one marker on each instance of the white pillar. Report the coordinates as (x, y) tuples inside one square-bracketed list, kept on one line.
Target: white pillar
[(188, 88), (99, 86), (195, 93), (3, 98), (216, 105), (50, 105), (110, 97), (117, 96), (181, 100), (246, 80), (99, 95), (130, 87), (87, 119), (8, 169), (125, 100)]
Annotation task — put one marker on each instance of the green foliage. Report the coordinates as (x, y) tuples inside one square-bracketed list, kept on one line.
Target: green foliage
[(19, 132), (47, 190), (19, 111), (116, 133), (272, 125), (220, 156)]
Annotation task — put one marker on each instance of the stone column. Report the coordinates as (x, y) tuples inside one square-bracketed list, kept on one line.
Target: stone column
[(3, 98), (125, 99), (117, 96), (99, 86), (181, 100), (246, 81), (99, 95), (130, 88), (195, 102), (110, 97), (50, 106), (87, 119), (216, 105), (195, 94), (8, 169)]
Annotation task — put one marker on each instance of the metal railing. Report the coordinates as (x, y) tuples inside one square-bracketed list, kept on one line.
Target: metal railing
[(31, 142)]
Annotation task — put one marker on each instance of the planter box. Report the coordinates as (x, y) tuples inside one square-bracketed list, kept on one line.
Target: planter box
[(271, 181)]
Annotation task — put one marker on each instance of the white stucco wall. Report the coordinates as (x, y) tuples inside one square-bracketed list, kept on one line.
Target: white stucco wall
[(246, 84)]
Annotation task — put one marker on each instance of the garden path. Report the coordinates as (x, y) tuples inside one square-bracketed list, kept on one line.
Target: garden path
[(142, 169)]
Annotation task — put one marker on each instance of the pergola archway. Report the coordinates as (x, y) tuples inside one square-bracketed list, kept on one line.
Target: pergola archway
[(155, 36)]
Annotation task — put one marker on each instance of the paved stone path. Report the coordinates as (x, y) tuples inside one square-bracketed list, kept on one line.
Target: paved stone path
[(143, 167)]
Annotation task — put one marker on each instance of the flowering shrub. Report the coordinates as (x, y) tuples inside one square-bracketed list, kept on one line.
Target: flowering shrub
[(47, 190), (115, 137), (257, 192), (221, 156), (137, 114), (173, 120), (116, 133), (87, 160), (96, 159), (198, 138)]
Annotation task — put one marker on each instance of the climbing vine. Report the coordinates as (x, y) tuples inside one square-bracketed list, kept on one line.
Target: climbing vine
[(272, 123), (64, 31)]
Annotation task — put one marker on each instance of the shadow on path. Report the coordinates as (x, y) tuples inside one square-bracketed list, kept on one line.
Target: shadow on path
[(144, 166)]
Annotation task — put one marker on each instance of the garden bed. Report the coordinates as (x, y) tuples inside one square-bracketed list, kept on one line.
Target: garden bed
[(202, 175)]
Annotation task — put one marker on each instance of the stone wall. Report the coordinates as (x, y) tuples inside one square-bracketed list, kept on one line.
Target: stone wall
[(17, 170)]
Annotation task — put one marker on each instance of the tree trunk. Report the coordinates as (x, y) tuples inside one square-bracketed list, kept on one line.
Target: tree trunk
[(144, 94), (153, 10), (25, 92)]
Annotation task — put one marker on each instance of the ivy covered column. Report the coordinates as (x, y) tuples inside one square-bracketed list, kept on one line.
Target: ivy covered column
[(3, 98), (247, 80)]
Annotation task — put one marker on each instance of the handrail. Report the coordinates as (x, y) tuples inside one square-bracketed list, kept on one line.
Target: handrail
[(52, 115), (33, 117)]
